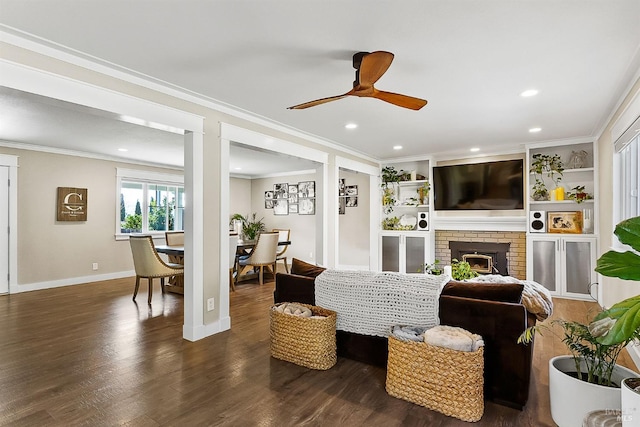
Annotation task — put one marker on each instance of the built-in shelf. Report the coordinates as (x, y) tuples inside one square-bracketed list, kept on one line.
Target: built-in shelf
[(411, 206), (412, 183), (570, 171), (546, 202)]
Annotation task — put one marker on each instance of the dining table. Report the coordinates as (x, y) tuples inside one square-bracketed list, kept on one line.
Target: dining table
[(175, 254)]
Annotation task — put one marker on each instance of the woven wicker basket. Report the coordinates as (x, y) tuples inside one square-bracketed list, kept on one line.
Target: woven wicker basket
[(444, 380), (304, 341)]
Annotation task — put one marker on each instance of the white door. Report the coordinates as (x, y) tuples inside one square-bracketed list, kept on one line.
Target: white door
[(4, 229)]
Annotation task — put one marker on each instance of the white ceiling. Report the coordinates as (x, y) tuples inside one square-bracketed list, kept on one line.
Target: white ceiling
[(469, 59)]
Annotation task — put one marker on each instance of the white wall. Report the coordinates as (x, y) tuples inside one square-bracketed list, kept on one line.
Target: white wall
[(354, 225), (303, 227), (49, 250), (240, 196)]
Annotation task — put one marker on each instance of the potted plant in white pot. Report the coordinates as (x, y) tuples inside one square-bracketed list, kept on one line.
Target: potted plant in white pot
[(251, 226), (590, 379)]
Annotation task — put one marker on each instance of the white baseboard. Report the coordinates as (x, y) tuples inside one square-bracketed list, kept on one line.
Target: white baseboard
[(15, 289), (203, 331)]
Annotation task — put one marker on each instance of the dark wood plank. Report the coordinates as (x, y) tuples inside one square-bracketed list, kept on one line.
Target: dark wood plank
[(89, 355)]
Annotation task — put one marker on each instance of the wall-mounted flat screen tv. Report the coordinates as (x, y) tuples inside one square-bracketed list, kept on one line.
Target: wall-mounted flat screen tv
[(479, 186)]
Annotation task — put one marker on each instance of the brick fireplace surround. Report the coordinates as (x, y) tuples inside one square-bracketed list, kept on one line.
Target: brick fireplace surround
[(516, 257)]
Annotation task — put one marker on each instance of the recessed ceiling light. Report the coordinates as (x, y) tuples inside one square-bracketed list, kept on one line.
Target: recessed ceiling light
[(123, 149), (351, 125), (474, 149), (534, 130), (529, 92), (397, 147), (238, 169)]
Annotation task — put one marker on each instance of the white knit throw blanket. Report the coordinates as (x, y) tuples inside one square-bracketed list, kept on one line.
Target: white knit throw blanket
[(535, 297), (372, 303)]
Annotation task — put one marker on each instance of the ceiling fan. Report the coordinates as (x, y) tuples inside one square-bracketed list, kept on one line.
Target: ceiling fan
[(369, 68)]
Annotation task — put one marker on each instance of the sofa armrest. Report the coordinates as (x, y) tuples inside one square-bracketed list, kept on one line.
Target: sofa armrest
[(507, 363), (294, 288)]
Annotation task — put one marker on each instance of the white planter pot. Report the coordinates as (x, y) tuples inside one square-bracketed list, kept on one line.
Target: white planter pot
[(572, 399), (630, 406)]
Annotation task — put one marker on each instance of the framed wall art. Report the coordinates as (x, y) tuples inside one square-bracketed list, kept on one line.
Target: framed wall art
[(71, 204), (280, 191), (307, 189), (306, 206), (565, 222), (280, 207)]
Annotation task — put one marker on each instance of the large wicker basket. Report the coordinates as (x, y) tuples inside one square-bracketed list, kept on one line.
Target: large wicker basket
[(304, 341), (444, 380)]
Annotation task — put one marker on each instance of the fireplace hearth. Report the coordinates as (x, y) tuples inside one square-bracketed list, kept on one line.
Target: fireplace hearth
[(483, 257)]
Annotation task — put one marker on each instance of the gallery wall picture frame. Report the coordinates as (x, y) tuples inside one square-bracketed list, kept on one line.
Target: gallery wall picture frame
[(281, 207), (307, 189), (71, 204), (268, 203), (352, 201), (342, 204), (293, 198), (281, 191), (268, 194), (306, 206), (293, 189), (565, 222), (351, 190), (293, 208), (341, 187)]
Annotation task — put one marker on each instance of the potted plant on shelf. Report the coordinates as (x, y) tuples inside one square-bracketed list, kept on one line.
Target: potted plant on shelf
[(423, 192), (433, 268), (590, 378), (578, 194), (552, 167), (251, 226), (390, 178)]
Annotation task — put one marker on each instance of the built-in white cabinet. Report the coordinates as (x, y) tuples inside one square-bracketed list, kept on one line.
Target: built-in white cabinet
[(562, 227), (563, 264), (405, 251), (406, 236)]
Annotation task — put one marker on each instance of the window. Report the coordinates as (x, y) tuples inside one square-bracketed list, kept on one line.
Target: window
[(627, 179), (149, 202)]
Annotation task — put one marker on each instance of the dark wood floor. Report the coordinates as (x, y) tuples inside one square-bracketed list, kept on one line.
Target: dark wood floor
[(88, 355)]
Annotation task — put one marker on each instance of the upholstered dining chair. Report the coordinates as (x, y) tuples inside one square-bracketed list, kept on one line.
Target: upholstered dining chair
[(149, 265), (284, 235), (233, 250), (263, 255), (174, 238)]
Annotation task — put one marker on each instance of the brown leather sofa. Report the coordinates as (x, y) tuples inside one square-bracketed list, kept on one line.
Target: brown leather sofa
[(491, 310)]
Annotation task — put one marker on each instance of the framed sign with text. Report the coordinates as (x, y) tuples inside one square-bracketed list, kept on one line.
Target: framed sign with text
[(72, 204)]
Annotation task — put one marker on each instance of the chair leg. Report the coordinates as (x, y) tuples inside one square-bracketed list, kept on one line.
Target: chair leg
[(286, 266), (135, 290), (261, 274), (162, 284), (232, 285), (150, 290)]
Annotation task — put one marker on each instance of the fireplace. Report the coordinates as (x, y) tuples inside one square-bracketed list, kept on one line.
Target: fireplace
[(483, 257)]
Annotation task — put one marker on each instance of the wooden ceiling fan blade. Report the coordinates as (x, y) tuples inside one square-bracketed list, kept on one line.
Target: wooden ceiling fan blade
[(318, 102), (373, 66), (400, 100)]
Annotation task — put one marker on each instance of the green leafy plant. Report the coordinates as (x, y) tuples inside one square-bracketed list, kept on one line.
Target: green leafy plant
[(461, 270), (251, 226), (600, 341), (549, 165), (423, 192), (433, 268), (390, 223), (578, 194)]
